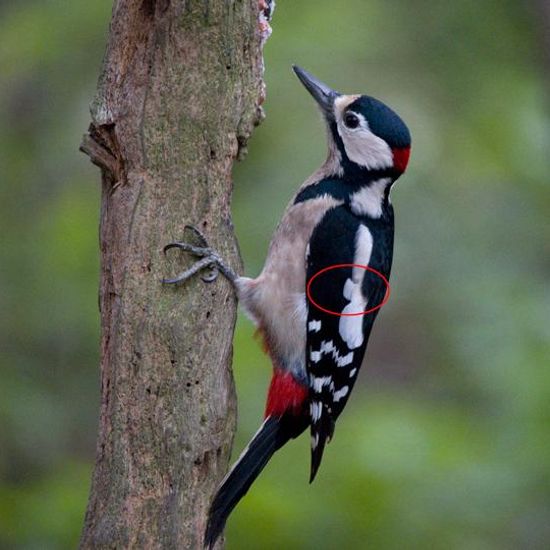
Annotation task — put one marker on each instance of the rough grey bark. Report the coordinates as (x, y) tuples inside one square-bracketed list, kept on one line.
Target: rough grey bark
[(178, 96)]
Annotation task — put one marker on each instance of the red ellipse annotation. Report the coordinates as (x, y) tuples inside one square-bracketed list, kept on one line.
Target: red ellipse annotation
[(356, 314)]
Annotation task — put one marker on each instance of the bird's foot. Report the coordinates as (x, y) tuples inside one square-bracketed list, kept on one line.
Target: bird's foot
[(209, 259)]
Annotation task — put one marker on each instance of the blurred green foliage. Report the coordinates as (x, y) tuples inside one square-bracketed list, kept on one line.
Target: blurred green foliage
[(445, 441)]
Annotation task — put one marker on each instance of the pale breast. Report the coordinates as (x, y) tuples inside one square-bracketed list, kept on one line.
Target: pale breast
[(276, 298)]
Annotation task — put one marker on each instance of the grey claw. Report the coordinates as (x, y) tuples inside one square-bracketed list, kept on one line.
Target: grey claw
[(169, 246), (188, 273), (199, 251), (197, 234), (209, 260)]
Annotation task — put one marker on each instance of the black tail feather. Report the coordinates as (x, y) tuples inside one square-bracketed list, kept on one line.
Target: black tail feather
[(321, 434), (269, 438)]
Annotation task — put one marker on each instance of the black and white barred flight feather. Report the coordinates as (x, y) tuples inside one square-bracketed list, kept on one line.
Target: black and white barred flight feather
[(336, 344)]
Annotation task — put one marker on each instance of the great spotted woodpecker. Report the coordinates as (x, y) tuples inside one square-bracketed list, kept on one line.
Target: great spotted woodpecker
[(342, 214)]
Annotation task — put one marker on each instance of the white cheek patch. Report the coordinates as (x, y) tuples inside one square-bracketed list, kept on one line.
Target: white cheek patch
[(351, 328), (362, 146), (366, 149)]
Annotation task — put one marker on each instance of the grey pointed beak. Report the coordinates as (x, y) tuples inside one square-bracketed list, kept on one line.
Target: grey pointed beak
[(323, 95)]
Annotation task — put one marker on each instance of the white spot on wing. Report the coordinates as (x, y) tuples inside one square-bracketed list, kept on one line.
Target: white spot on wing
[(346, 360), (315, 356), (340, 393), (329, 347), (352, 373), (314, 326), (320, 382)]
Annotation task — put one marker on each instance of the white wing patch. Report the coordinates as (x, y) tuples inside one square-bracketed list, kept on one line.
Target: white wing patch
[(351, 328)]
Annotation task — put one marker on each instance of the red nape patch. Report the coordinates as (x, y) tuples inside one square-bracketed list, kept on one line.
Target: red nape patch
[(401, 158), (285, 395)]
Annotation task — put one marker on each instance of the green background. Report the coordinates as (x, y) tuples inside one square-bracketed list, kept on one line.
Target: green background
[(445, 442)]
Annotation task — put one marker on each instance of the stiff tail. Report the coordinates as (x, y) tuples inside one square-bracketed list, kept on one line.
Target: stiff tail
[(322, 431), (269, 438)]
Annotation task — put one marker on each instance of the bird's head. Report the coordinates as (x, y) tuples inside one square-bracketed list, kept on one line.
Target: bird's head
[(364, 133)]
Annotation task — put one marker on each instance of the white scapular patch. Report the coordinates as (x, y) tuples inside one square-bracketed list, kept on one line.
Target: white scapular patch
[(315, 410), (340, 393), (329, 347), (351, 328), (314, 326), (349, 285), (319, 383), (352, 373), (370, 198), (362, 146)]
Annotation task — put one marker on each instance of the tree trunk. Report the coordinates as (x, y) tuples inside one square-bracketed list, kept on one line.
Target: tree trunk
[(178, 96)]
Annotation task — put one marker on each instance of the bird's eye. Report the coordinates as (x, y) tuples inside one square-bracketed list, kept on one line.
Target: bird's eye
[(351, 120)]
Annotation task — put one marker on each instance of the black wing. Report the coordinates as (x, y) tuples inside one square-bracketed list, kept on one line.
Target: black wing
[(336, 344)]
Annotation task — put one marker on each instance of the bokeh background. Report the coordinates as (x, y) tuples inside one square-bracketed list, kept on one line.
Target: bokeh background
[(445, 443)]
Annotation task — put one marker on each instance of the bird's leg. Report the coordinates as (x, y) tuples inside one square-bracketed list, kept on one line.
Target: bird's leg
[(209, 259)]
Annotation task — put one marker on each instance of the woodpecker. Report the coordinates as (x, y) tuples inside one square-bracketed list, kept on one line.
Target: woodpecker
[(341, 216)]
